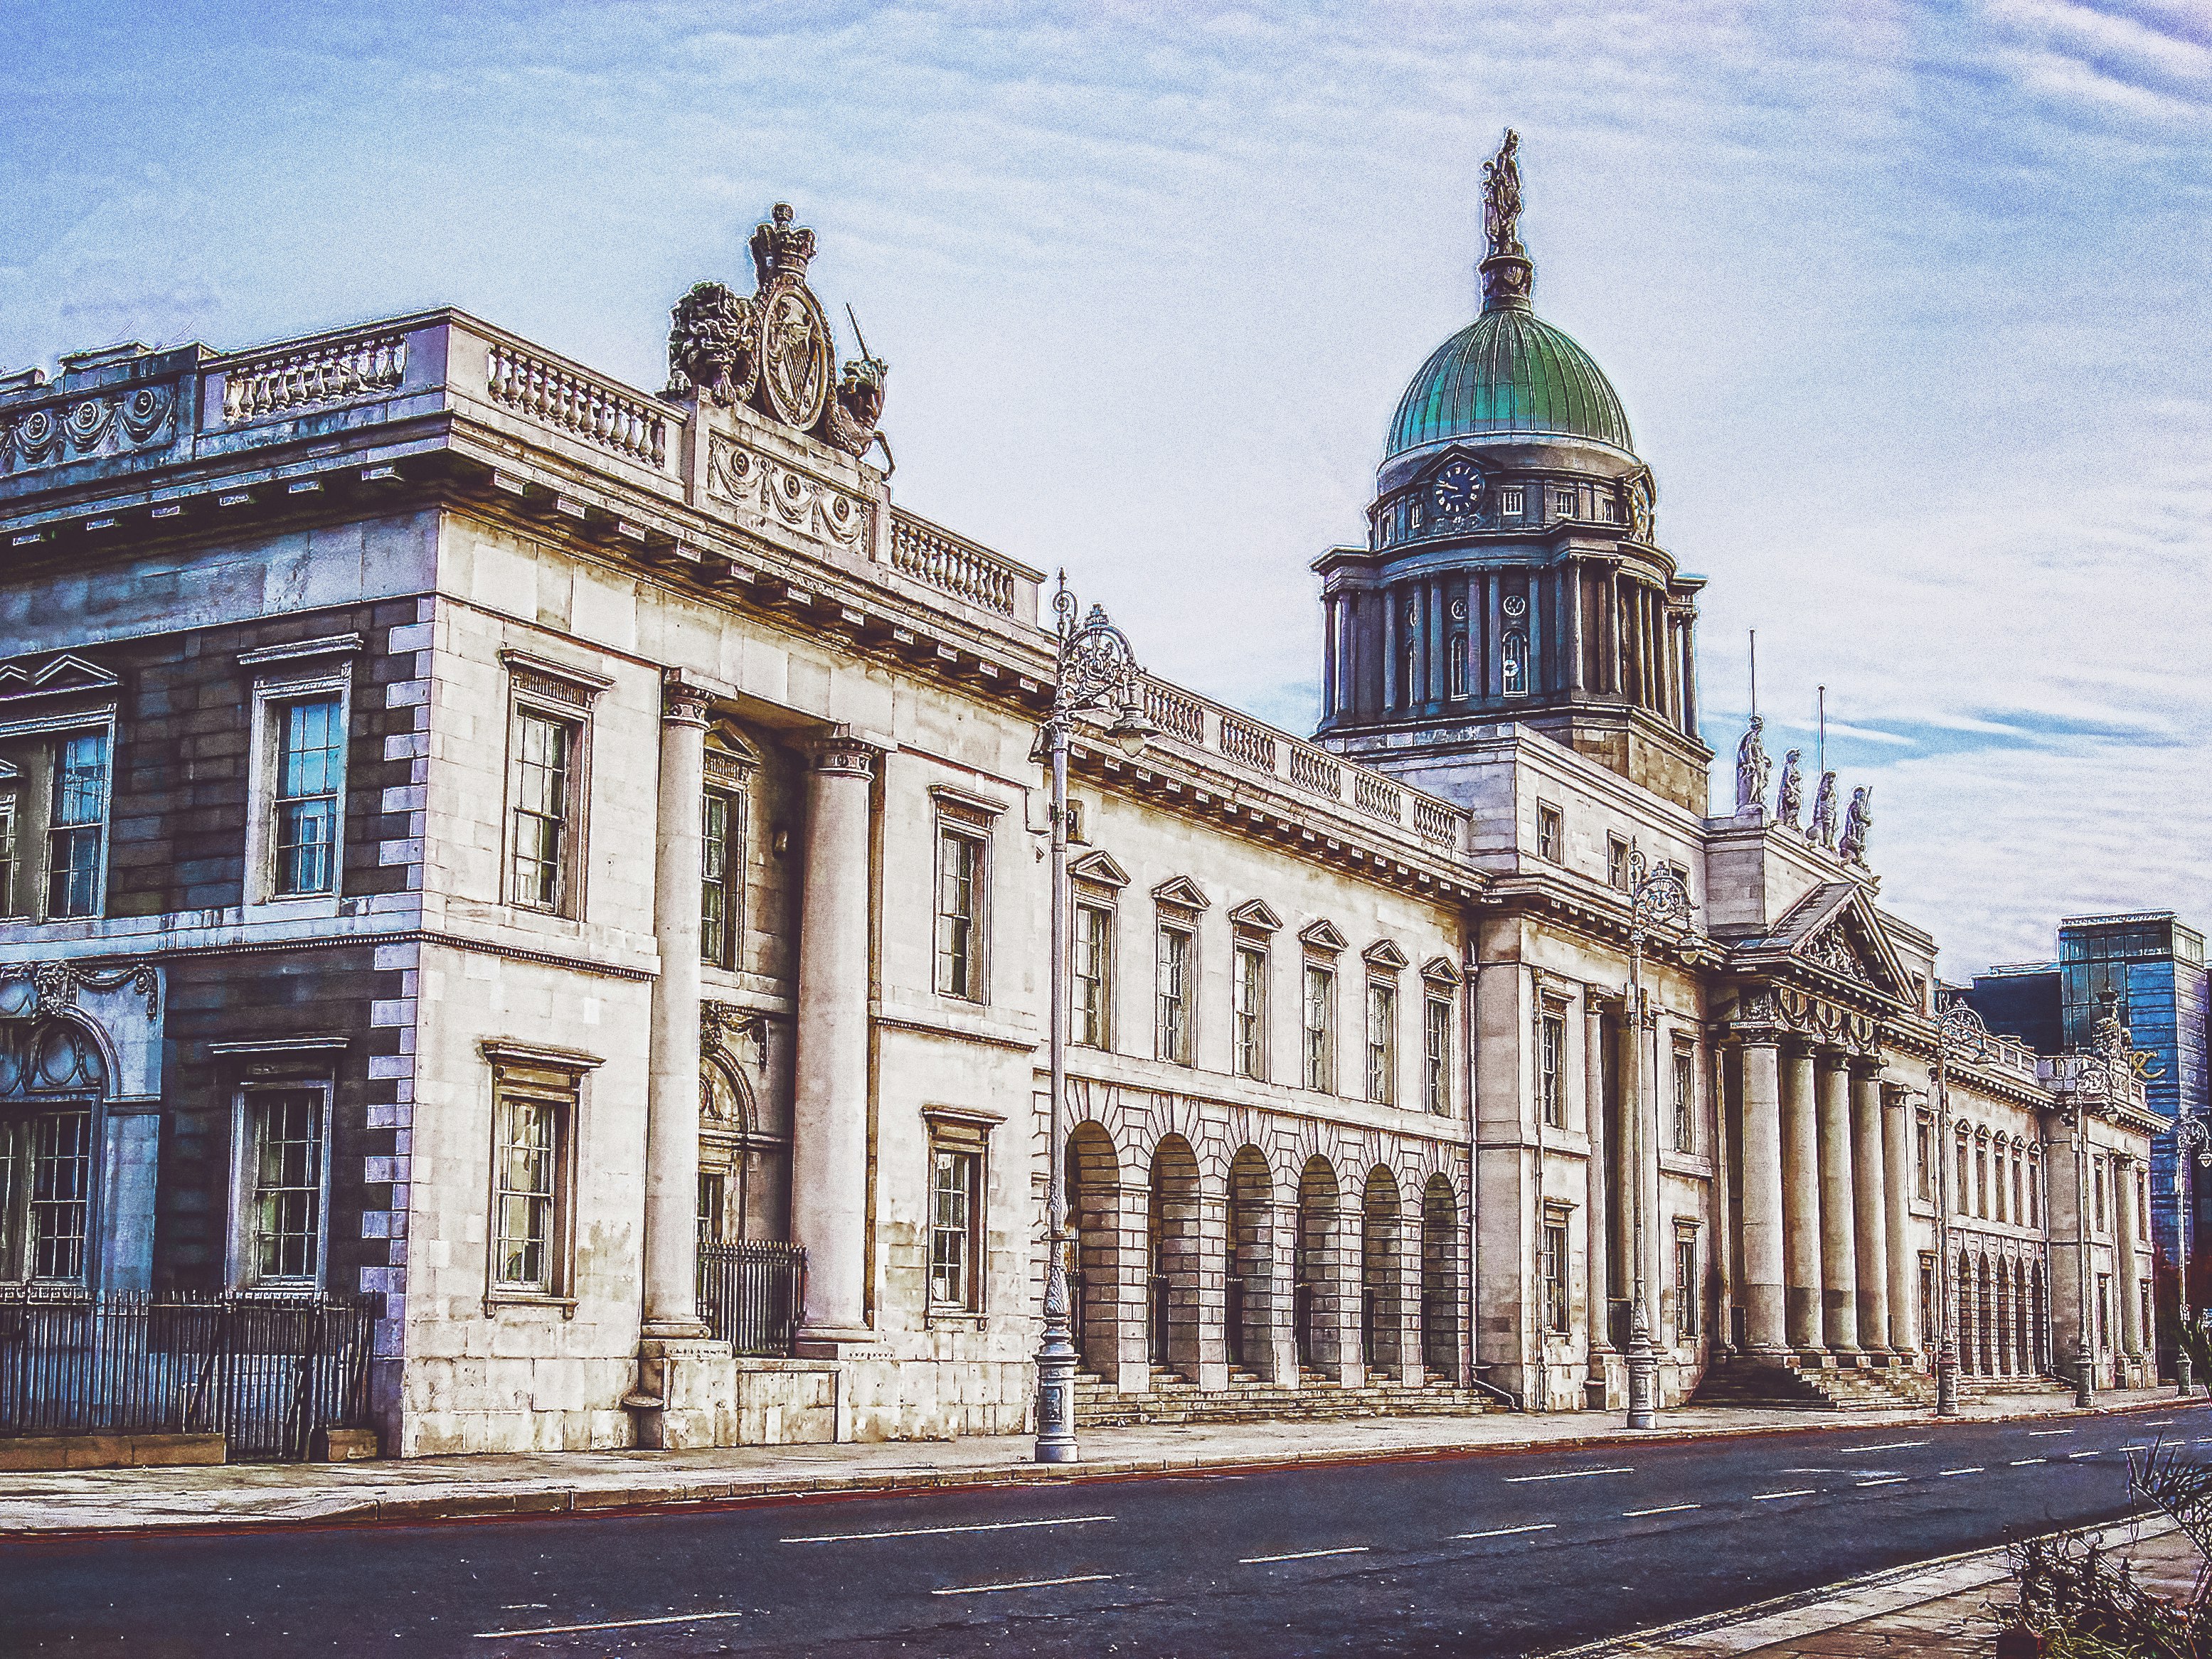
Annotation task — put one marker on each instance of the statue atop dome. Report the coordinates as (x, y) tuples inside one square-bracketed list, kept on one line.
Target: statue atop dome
[(1507, 274)]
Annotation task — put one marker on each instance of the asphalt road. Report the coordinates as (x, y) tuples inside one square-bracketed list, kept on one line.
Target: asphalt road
[(1494, 1554)]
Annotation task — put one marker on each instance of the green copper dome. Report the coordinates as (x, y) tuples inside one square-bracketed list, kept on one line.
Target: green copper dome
[(1507, 373)]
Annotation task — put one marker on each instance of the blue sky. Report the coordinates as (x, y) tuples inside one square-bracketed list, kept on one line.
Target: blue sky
[(1908, 304)]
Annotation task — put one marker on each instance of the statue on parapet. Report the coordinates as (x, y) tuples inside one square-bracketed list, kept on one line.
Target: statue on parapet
[(1858, 818), (1820, 828), (1789, 797), (1751, 767)]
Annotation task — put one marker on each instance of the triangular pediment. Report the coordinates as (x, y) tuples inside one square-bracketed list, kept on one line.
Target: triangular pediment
[(1256, 914), (1440, 971), (1100, 869), (1183, 893), (1834, 930), (1323, 936), (1383, 953), (57, 677)]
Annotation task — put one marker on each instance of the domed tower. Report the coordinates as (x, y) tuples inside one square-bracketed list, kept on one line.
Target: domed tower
[(1509, 573)]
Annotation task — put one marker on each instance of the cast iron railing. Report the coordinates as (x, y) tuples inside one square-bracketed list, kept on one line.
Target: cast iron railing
[(263, 1372), (750, 1294)]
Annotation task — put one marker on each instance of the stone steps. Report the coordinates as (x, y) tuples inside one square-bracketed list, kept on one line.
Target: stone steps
[(1736, 1381), (1172, 1400)]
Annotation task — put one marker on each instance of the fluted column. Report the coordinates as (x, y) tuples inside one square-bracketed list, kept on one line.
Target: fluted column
[(1801, 1198), (1905, 1335), (1870, 1182), (1839, 1279), (2125, 1227), (1597, 1219), (1690, 675), (829, 1114), (1571, 589), (672, 1105), (1765, 1301)]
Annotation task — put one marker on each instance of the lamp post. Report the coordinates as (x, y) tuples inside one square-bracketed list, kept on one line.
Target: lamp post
[(1095, 672), (2189, 1139), (1657, 898), (1960, 1031)]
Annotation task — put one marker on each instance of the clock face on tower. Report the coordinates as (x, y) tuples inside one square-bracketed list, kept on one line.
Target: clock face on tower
[(1457, 488)]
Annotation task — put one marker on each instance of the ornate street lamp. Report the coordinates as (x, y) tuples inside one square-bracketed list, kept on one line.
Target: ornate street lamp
[(2190, 1137), (1657, 898), (1095, 673), (1959, 1031)]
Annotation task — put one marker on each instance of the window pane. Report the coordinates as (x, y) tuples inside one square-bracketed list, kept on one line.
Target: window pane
[(1174, 983), (1090, 994), (7, 906), (1251, 1010), (959, 867), (544, 754), (79, 812), (1320, 1012), (524, 1165), (952, 1179), (60, 1193), (721, 864), (1381, 1040), (1435, 1053), (287, 1184)]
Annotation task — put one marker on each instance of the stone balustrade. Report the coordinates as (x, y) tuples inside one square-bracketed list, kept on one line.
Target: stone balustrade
[(934, 557), (332, 373), (583, 406)]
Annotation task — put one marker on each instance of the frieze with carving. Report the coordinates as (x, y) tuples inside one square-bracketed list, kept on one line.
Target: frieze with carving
[(775, 493), (774, 349), (42, 990), (1831, 950), (103, 424), (1786, 1010)]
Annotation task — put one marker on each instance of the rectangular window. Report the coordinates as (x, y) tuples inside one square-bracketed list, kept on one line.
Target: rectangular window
[(1547, 832), (1997, 1187), (1685, 1101), (1382, 1042), (722, 875), (1171, 1033), (1923, 1176), (2018, 1188), (2143, 1296), (2035, 1193), (2104, 1311), (1982, 1182), (1552, 1277), (1459, 665), (1552, 1071), (959, 915), (1090, 1009), (1436, 1054), (45, 1194), (714, 1205), (544, 812), (1318, 1024), (310, 772), (1616, 863), (528, 1159), (2142, 1209), (1512, 501), (1563, 503), (283, 1161), (952, 1228), (1927, 1326), (2097, 1175), (1685, 1290), (1250, 993), (1962, 1200), (9, 905), (77, 828)]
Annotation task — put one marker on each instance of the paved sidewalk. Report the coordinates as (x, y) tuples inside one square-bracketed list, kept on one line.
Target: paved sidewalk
[(1950, 1607), (446, 1488)]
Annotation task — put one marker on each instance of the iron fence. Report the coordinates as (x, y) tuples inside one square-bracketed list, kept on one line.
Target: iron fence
[(750, 1294), (263, 1372)]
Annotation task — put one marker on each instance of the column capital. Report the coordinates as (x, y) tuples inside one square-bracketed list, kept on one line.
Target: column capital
[(682, 701), (840, 749), (1865, 1067)]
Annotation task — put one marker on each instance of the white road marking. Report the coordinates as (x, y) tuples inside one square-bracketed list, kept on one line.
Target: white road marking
[(1301, 1555), (1769, 1496), (1026, 1584), (1664, 1509), (2160, 1423), (1508, 1532), (2045, 1434), (524, 1607), (2071, 1456), (932, 1532), (1562, 1475), (1975, 1469), (1886, 1445), (2202, 1440), (2022, 1462), (611, 1624), (1883, 1480)]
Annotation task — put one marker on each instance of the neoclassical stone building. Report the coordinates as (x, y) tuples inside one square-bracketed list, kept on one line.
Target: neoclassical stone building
[(552, 858)]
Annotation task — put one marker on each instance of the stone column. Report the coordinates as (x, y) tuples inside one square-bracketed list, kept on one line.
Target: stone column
[(1278, 1361), (1214, 1247), (1597, 1221), (829, 1109), (2126, 1268), (1907, 1339), (1839, 1282), (1801, 1200), (1571, 593), (1690, 675), (1870, 1182), (671, 1112), (1765, 1302)]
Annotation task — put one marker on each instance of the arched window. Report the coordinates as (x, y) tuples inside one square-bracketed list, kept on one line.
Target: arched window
[(1517, 664), (51, 1075), (1458, 666)]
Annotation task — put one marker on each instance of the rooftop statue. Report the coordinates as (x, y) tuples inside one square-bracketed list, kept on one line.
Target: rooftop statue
[(1857, 817), (1822, 830), (1789, 799), (1501, 198), (1751, 767)]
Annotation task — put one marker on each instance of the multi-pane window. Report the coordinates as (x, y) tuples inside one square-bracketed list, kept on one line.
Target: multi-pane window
[(1091, 995), (1982, 1182), (1547, 832), (1685, 1289), (1552, 1071), (721, 875), (2142, 1205), (1381, 1040), (952, 1228), (45, 1194), (1552, 1277), (1563, 503), (2035, 1195), (526, 1160), (2097, 1175), (1511, 500), (1436, 1054), (1171, 1025), (310, 771), (544, 805), (284, 1203), (1616, 863), (1923, 1174), (1516, 664), (1458, 665), (1685, 1101), (2104, 1311), (714, 1205), (1248, 1037), (9, 905), (77, 828), (959, 915), (1997, 1186), (1962, 1200), (1317, 1027)]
